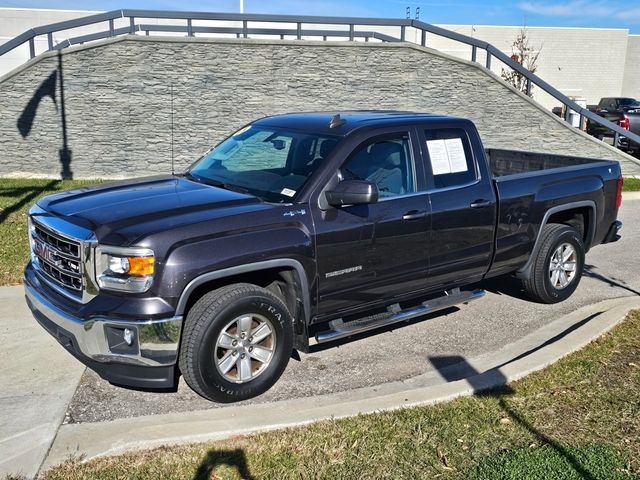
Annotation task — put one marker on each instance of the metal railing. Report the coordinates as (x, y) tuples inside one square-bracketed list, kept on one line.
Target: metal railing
[(244, 30)]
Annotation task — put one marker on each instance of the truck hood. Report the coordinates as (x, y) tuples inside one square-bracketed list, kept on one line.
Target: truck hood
[(121, 212)]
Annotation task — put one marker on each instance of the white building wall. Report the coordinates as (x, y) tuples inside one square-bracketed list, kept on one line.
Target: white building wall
[(583, 62), (631, 84)]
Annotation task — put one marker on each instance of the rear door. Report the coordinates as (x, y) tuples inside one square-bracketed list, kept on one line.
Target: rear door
[(463, 203)]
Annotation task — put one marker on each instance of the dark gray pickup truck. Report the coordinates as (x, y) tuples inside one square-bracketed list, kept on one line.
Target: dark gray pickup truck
[(303, 229), (622, 111)]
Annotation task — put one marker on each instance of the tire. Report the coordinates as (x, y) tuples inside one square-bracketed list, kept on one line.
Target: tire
[(544, 285), (205, 353)]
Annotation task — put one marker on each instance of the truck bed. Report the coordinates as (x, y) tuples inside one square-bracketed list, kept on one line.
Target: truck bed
[(514, 162), (530, 184)]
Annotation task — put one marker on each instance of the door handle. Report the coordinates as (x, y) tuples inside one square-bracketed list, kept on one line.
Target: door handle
[(481, 203), (414, 215)]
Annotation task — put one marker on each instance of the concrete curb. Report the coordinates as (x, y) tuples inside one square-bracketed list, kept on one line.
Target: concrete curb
[(514, 361), (630, 196)]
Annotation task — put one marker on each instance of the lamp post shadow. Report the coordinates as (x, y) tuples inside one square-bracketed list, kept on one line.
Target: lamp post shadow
[(232, 458), (48, 88)]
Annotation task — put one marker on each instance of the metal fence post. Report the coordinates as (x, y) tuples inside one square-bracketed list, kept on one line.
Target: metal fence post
[(423, 41), (488, 64), (50, 40), (299, 31), (132, 25), (403, 32), (32, 48), (189, 28), (529, 86), (616, 139), (474, 53), (351, 32), (245, 29), (111, 29)]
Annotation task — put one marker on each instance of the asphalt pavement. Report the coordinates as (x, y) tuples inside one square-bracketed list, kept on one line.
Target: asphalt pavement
[(407, 350)]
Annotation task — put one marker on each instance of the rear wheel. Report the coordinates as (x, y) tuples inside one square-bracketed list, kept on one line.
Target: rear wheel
[(557, 268), (236, 343)]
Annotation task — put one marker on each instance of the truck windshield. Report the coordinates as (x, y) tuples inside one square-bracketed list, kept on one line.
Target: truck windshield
[(629, 102), (267, 162)]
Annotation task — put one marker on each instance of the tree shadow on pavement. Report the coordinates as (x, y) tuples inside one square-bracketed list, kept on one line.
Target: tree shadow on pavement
[(232, 458), (493, 383), (591, 272)]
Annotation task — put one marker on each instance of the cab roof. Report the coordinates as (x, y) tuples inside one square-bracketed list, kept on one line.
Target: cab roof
[(320, 122)]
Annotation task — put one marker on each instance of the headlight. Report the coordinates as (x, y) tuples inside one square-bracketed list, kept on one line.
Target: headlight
[(124, 269)]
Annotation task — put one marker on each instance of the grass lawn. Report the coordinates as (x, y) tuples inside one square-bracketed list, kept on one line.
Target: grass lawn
[(16, 196), (578, 419), (631, 185)]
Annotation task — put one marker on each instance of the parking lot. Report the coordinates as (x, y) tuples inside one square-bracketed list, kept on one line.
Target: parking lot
[(500, 318)]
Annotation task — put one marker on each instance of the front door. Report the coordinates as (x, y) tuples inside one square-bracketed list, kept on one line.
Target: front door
[(371, 253)]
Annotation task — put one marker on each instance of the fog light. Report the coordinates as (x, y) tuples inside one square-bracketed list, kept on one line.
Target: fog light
[(122, 340), (128, 336)]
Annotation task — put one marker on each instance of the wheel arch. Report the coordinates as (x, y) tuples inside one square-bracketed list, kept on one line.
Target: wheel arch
[(565, 214), (243, 272)]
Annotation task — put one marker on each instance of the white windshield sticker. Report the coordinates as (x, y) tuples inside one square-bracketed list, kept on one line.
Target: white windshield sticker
[(439, 158), (457, 158), (447, 156), (288, 192)]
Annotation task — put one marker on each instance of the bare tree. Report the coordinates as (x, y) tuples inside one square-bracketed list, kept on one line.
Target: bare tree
[(523, 53)]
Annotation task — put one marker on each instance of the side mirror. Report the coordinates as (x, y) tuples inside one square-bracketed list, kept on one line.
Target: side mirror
[(353, 192)]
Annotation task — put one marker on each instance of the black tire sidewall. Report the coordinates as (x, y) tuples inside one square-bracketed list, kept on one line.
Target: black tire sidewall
[(571, 236), (212, 381)]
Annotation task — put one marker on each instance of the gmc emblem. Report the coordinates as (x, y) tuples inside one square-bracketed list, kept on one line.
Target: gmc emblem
[(44, 251)]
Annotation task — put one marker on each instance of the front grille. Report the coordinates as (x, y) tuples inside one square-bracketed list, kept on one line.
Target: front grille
[(58, 258)]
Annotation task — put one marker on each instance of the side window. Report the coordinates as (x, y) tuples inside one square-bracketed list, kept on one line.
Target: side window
[(450, 157), (385, 161)]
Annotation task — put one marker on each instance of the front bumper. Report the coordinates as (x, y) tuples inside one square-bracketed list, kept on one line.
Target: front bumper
[(149, 361)]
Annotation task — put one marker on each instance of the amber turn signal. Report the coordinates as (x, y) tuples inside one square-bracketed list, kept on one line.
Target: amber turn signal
[(140, 265)]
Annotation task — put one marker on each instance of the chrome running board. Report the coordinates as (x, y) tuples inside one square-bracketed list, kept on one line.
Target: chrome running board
[(340, 329)]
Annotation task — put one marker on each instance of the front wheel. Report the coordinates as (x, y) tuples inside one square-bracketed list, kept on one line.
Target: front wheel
[(236, 343), (557, 268)]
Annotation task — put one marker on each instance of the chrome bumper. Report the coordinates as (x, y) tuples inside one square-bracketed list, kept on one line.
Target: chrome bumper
[(155, 342)]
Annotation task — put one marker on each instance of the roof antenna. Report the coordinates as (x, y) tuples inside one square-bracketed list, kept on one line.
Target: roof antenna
[(172, 169), (336, 121)]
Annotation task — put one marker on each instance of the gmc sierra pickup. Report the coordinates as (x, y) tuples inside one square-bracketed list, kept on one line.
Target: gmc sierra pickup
[(302, 229)]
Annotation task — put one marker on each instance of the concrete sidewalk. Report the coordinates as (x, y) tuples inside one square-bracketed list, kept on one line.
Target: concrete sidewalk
[(531, 353), (37, 380)]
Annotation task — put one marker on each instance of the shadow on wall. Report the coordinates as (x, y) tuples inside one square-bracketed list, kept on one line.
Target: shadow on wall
[(28, 115)]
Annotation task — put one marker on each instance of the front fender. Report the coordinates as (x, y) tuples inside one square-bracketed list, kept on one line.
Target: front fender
[(191, 264)]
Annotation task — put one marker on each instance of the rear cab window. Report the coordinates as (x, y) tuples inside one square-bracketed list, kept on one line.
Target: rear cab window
[(450, 159)]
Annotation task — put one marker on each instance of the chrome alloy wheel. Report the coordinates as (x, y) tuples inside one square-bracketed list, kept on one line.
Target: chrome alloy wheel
[(245, 348), (562, 268)]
